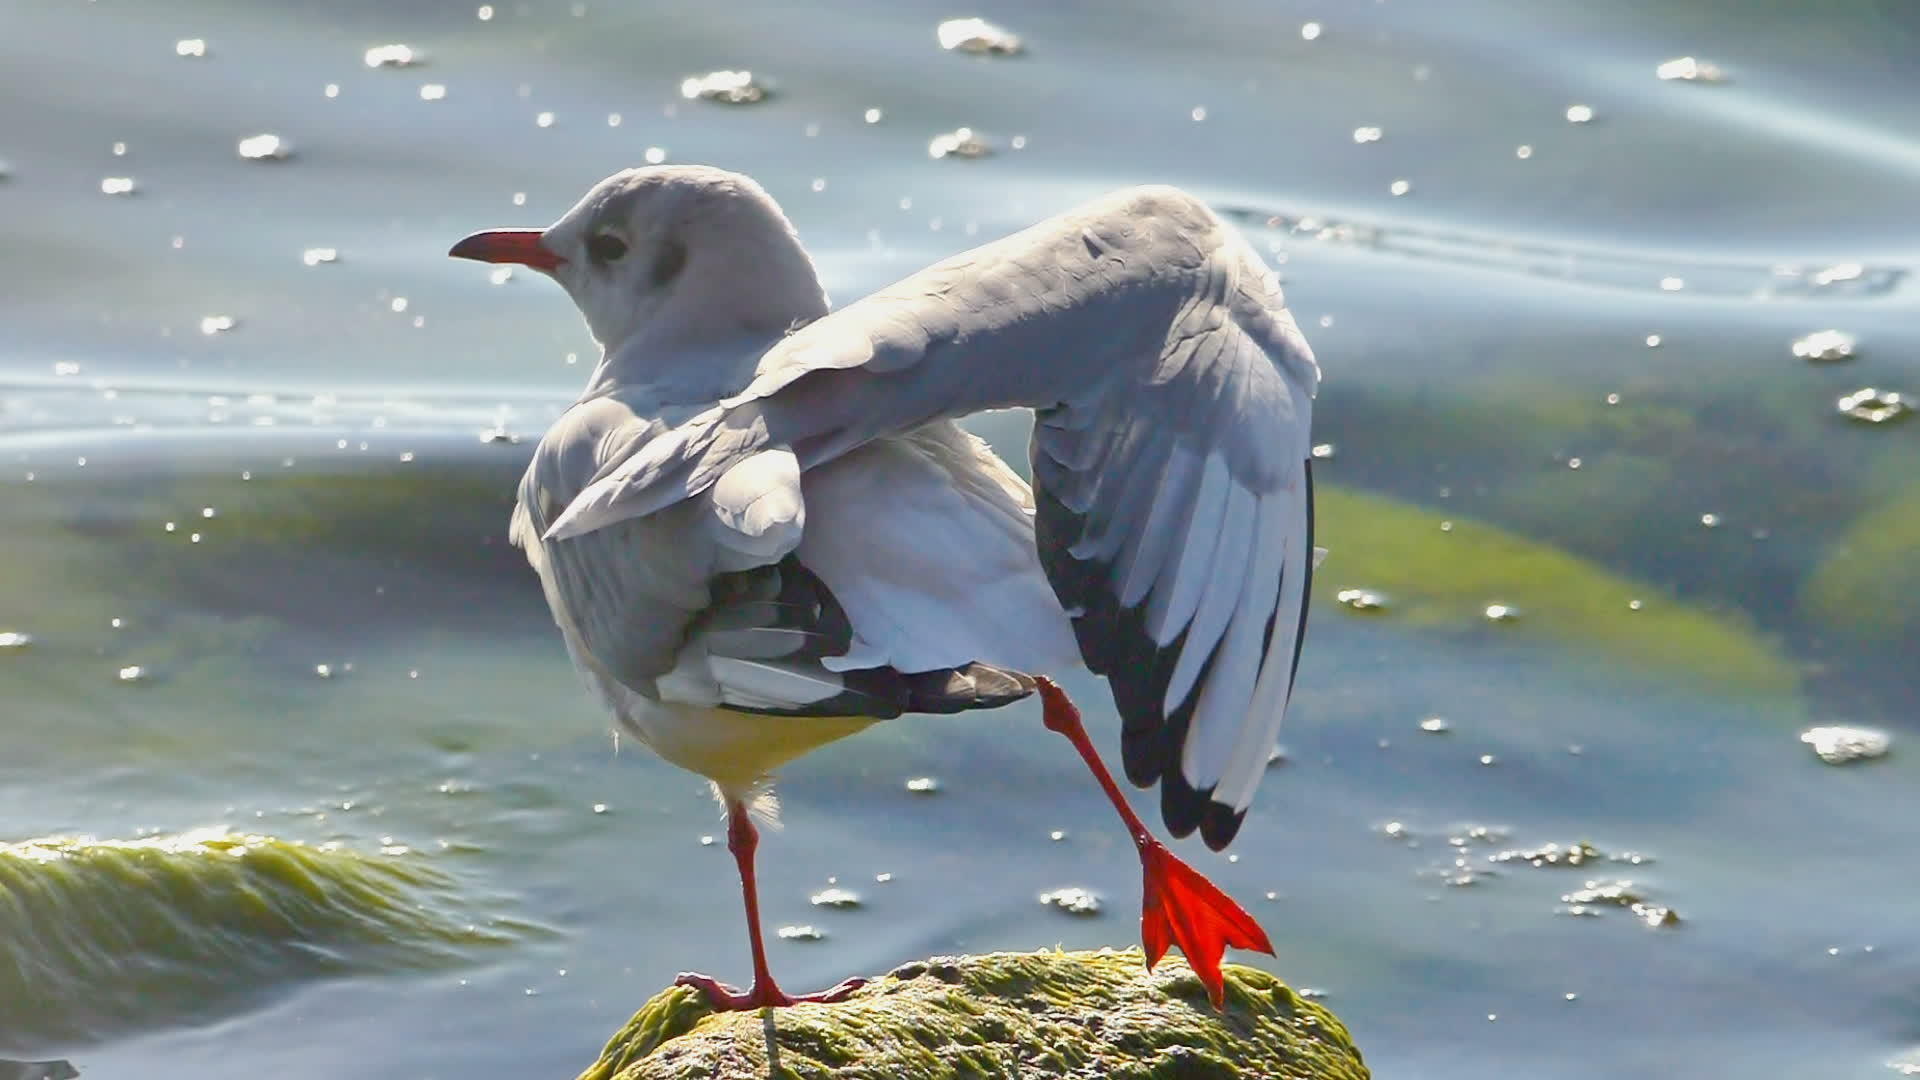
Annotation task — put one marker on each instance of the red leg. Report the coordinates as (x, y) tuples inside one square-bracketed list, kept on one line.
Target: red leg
[(742, 839), (1179, 906)]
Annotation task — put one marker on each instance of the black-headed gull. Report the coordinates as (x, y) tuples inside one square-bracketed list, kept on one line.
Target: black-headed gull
[(760, 529)]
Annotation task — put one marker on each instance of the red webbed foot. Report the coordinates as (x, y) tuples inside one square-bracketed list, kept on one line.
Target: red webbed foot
[(1179, 906)]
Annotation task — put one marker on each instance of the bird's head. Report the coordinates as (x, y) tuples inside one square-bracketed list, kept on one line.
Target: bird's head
[(681, 253)]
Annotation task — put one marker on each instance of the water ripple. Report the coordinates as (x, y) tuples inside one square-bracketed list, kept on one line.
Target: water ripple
[(1590, 266)]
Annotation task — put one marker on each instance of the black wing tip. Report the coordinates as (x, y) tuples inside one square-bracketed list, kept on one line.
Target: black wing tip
[(1185, 809), (1220, 825), (967, 687), (1181, 806)]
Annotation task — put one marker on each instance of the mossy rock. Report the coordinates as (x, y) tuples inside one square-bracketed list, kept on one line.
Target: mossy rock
[(104, 937), (1013, 1015)]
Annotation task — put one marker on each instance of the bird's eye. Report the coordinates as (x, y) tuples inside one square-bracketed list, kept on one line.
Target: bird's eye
[(605, 247)]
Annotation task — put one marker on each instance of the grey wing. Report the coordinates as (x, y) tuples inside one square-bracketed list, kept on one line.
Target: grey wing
[(1173, 396), (707, 603)]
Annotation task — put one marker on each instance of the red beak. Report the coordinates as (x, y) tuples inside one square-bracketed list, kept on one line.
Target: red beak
[(521, 246)]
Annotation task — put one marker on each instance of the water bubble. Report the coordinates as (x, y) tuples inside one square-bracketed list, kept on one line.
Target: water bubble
[(958, 143), (216, 324), (484, 13), (190, 47), (1199, 114), (872, 116), (1579, 114), (1310, 31), (1689, 69), (1653, 341), (801, 933), (707, 841), (316, 256), (1711, 521), (1399, 187), (883, 877), (1365, 135), (544, 119), (119, 149), (331, 90), (1323, 451), (1435, 725), (1635, 605), (1502, 613), (976, 36), (1362, 599), (117, 185), (1523, 151), (923, 785), (654, 155), (1057, 835), (433, 91), (500, 275), (519, 198), (1839, 273), (265, 148), (1841, 745), (1489, 760), (325, 671), (613, 119), (725, 87), (1872, 406), (132, 673), (65, 367), (835, 898), (819, 184), (15, 640), (398, 304), (1072, 900), (1825, 346), (393, 56), (1551, 855)]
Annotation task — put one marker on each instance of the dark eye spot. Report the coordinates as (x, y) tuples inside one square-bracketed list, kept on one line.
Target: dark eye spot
[(669, 262), (605, 247)]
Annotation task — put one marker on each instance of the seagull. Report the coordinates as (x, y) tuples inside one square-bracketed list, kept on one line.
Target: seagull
[(760, 528)]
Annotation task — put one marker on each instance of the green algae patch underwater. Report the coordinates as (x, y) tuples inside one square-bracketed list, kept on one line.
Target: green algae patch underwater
[(1448, 579), (1015, 1015), (1863, 589), (99, 937)]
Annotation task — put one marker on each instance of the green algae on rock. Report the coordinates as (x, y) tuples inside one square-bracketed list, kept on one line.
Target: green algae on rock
[(103, 936), (1447, 579), (1014, 1015)]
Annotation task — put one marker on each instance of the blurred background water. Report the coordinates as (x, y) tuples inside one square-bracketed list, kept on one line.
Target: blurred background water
[(333, 803)]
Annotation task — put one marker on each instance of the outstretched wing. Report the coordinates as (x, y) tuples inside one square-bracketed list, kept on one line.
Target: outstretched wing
[(1173, 395)]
